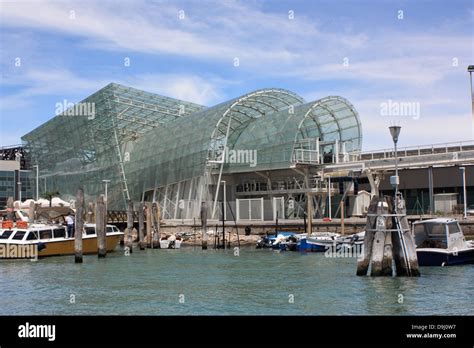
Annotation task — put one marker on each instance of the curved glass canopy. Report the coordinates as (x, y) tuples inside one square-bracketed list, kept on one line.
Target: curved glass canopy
[(275, 138), (182, 149), (149, 144)]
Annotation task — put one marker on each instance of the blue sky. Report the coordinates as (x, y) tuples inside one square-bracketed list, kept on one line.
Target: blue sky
[(70, 49)]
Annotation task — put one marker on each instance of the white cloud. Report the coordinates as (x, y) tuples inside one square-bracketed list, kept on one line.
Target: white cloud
[(196, 89), (400, 65), (142, 27), (205, 91)]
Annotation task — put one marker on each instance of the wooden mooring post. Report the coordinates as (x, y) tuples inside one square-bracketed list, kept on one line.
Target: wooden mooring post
[(100, 227), (155, 216), (79, 226), (387, 238), (141, 225), (128, 231), (149, 243), (204, 225)]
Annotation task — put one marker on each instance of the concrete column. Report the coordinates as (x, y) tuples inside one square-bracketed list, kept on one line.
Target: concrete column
[(430, 189)]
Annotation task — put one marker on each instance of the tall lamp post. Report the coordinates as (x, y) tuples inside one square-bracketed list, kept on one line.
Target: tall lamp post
[(463, 170), (394, 180), (37, 181), (470, 70)]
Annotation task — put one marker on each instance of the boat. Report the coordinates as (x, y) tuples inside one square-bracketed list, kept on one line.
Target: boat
[(317, 242), (322, 241), (351, 239), (280, 241), (441, 242), (170, 242), (30, 240)]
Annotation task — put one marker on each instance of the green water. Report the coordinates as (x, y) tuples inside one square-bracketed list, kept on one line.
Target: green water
[(195, 282)]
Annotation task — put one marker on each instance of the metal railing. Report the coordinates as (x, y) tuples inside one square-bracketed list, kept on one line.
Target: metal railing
[(306, 156), (419, 150)]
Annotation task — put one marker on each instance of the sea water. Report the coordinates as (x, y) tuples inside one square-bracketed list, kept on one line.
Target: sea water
[(191, 281)]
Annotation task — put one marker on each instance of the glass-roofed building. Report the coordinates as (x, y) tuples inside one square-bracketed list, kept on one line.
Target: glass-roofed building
[(253, 155)]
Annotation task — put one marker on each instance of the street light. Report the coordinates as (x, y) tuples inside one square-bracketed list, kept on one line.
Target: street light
[(106, 198), (37, 181), (470, 70), (394, 180), (463, 170)]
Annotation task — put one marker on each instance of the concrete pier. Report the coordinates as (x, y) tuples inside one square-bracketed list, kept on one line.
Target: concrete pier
[(351, 225)]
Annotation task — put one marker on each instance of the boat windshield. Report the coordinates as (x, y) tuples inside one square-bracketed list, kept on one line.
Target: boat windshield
[(430, 235), (6, 234), (453, 227)]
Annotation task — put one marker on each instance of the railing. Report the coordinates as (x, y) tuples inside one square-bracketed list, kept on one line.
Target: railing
[(306, 156), (419, 150)]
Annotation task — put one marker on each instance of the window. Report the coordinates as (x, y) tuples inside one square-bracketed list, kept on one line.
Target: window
[(453, 228), (110, 229), (89, 230), (437, 230), (46, 234), (19, 235), (6, 234), (32, 235), (437, 236), (59, 233)]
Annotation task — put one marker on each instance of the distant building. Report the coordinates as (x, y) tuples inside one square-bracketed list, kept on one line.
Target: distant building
[(10, 177)]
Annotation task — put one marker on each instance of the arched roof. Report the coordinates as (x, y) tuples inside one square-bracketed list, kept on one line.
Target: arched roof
[(274, 137), (180, 149)]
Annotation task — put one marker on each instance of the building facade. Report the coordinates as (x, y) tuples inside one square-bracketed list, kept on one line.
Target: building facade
[(154, 148), (259, 156)]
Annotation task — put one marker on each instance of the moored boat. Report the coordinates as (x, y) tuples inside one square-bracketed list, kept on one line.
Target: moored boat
[(441, 242), (283, 240), (170, 242), (25, 241), (317, 242)]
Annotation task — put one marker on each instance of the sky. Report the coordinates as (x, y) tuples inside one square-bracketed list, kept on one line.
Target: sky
[(397, 62)]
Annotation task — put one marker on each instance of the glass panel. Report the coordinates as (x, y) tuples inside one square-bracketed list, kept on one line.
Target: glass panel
[(19, 235), (6, 234), (256, 209), (46, 234), (59, 233), (32, 236), (453, 228), (89, 230)]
